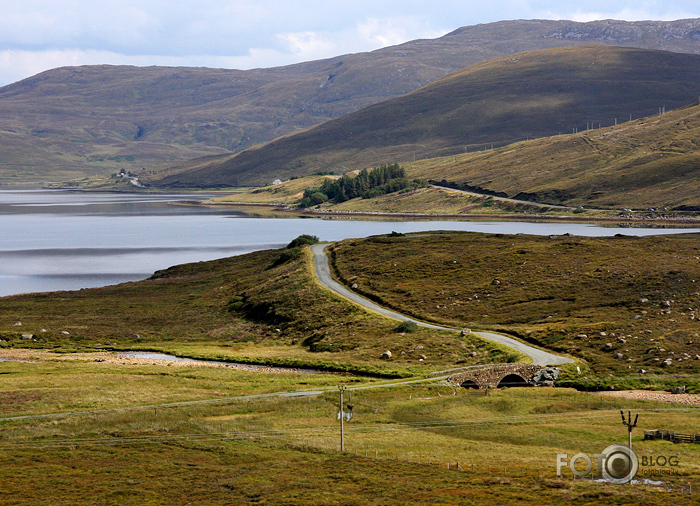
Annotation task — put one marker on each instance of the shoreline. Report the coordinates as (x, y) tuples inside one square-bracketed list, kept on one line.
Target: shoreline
[(634, 221), (120, 358), (630, 218)]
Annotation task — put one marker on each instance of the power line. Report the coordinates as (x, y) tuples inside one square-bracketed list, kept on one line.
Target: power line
[(321, 431)]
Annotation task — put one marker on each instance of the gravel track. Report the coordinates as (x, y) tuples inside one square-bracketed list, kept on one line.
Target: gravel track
[(649, 395)]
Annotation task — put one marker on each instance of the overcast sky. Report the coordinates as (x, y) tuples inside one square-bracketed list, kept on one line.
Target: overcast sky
[(37, 35)]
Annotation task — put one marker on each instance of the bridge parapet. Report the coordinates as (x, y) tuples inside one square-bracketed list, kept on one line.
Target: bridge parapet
[(496, 375)]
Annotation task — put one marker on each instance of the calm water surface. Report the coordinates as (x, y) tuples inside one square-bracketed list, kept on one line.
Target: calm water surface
[(55, 240)]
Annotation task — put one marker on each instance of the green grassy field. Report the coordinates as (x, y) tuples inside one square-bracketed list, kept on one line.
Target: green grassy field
[(77, 430), (275, 450)]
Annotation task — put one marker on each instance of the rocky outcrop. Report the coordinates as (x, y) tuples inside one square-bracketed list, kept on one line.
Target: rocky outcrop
[(545, 376)]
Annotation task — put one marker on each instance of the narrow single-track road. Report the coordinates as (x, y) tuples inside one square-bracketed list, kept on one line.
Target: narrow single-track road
[(323, 273)]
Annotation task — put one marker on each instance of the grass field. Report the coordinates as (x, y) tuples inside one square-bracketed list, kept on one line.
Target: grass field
[(275, 450), (75, 430)]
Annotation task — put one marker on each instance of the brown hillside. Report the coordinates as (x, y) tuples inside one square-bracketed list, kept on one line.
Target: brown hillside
[(72, 121), (533, 94), (647, 163)]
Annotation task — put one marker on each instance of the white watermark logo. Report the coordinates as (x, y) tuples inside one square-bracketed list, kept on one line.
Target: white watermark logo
[(616, 464)]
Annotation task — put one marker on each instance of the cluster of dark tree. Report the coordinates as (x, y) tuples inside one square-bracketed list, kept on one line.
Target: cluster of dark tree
[(367, 184)]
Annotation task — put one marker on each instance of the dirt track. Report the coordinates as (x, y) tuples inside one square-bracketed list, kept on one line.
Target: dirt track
[(649, 395)]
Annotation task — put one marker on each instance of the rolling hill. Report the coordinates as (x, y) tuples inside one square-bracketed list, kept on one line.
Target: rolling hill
[(652, 162), (531, 94), (77, 121)]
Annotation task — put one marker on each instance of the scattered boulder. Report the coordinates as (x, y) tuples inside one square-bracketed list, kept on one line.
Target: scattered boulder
[(17, 324), (667, 362), (643, 300), (642, 371), (473, 354), (666, 303), (386, 355), (545, 376), (354, 286), (607, 346), (619, 356), (27, 337), (422, 357), (678, 390), (496, 282), (465, 332), (65, 333), (582, 336)]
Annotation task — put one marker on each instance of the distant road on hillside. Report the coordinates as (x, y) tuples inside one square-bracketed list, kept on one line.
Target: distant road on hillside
[(506, 199), (323, 272)]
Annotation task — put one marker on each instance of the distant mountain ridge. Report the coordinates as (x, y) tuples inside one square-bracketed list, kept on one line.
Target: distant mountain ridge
[(93, 119), (532, 94)]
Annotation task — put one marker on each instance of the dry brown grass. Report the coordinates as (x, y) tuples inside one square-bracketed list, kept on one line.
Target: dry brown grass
[(641, 164), (547, 290)]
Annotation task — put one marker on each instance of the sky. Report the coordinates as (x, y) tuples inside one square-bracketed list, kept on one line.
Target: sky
[(38, 35)]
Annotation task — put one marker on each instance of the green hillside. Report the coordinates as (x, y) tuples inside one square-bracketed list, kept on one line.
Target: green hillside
[(533, 94)]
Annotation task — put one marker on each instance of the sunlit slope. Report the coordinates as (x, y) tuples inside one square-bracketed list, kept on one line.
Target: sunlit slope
[(533, 94), (651, 162)]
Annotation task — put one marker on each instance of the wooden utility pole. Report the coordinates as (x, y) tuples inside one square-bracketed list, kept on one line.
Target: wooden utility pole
[(342, 389)]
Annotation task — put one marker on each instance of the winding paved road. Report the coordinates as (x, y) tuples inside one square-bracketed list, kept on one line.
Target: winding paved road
[(323, 272)]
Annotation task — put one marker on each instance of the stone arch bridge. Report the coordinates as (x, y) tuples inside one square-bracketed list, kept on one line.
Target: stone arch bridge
[(497, 375)]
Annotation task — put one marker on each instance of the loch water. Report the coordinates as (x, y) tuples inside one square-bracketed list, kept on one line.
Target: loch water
[(67, 240)]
